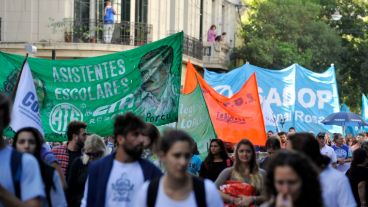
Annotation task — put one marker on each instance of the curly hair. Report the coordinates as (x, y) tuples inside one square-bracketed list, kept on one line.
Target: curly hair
[(127, 123), (310, 192)]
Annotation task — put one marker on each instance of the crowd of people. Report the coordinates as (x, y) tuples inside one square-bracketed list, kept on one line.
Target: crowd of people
[(139, 166)]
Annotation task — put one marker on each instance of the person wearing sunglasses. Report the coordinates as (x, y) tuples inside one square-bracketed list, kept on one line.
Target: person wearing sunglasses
[(94, 148)]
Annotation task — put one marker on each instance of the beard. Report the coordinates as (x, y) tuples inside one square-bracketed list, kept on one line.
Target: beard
[(80, 144), (135, 152)]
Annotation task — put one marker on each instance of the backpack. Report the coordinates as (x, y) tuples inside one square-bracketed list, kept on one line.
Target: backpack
[(198, 187), (16, 171)]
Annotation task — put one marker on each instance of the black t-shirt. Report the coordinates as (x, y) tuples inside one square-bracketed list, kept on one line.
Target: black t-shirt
[(76, 182), (212, 170), (357, 174), (72, 156)]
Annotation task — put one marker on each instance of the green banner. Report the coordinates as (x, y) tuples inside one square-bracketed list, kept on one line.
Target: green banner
[(195, 120), (144, 80)]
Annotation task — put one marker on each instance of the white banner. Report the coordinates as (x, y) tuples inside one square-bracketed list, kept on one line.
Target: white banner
[(26, 111)]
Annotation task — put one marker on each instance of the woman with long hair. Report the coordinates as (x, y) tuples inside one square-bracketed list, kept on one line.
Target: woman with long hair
[(357, 174), (29, 140), (337, 195), (292, 181), (94, 148), (177, 187), (245, 174), (216, 161)]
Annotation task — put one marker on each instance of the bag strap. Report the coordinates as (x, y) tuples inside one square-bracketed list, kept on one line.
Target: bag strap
[(152, 192), (198, 188), (16, 170), (199, 191)]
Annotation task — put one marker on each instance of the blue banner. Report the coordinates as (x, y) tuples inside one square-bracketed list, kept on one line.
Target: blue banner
[(294, 96)]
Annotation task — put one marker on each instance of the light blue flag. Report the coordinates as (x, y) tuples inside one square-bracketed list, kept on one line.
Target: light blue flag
[(364, 108), (348, 129), (298, 97)]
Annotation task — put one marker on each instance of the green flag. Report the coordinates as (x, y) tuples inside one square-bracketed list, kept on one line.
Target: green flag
[(144, 80), (195, 120)]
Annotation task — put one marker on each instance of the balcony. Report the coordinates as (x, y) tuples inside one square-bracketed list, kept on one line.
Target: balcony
[(211, 55), (193, 47), (72, 39), (216, 55), (125, 33)]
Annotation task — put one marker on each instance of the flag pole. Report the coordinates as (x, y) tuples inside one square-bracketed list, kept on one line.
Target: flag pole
[(18, 78)]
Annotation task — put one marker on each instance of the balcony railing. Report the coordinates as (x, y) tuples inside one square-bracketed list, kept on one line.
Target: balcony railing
[(193, 47), (126, 33)]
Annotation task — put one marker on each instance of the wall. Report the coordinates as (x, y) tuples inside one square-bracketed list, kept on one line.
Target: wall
[(28, 20)]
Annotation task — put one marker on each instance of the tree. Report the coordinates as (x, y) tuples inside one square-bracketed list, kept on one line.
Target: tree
[(282, 32), (352, 72), (278, 33)]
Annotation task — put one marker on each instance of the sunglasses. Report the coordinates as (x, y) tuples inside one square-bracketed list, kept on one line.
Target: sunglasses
[(94, 154)]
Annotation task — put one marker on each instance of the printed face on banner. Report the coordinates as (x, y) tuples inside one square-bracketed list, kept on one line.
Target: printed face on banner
[(158, 93), (145, 80)]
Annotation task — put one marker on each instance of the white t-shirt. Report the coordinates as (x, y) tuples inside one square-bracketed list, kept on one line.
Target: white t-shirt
[(329, 152), (31, 183), (213, 198), (336, 191), (124, 181)]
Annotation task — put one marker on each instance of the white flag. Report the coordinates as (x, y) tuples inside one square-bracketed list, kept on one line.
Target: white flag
[(268, 116), (26, 111)]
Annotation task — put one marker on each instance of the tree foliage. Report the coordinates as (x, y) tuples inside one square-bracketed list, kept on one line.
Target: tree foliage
[(278, 33)]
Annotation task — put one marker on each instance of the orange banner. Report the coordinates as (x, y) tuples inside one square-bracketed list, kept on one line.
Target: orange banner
[(233, 118)]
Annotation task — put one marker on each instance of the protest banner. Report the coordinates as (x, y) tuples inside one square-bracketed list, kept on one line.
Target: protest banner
[(237, 117), (298, 97), (144, 80), (25, 110), (193, 114)]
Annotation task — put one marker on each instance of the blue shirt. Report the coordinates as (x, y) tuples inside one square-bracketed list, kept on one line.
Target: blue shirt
[(194, 165), (342, 152), (109, 16), (31, 183)]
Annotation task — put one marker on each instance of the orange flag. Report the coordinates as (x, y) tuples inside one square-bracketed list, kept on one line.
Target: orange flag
[(233, 118)]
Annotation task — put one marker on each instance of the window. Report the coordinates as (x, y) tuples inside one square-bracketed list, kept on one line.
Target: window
[(0, 27), (116, 4), (141, 11), (81, 21)]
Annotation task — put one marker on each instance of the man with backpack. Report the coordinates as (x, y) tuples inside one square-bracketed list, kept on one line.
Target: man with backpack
[(114, 180), (20, 177)]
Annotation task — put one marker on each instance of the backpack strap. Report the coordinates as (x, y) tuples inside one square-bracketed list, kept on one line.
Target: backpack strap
[(198, 188), (152, 192), (16, 170), (199, 191)]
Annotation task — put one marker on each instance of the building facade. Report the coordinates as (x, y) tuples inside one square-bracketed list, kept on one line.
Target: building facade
[(74, 28)]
